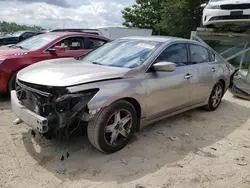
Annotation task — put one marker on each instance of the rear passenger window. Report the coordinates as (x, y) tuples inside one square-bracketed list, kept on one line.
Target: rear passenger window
[(177, 53), (27, 35), (199, 54), (95, 43)]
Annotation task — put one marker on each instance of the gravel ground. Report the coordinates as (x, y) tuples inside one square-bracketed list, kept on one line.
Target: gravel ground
[(194, 149)]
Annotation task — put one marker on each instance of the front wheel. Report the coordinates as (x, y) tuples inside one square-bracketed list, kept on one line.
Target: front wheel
[(112, 127), (215, 97)]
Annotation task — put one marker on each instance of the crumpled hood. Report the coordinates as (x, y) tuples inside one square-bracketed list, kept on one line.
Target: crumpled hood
[(68, 72)]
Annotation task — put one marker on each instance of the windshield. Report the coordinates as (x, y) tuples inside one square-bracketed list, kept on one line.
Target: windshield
[(122, 53), (17, 34), (36, 42)]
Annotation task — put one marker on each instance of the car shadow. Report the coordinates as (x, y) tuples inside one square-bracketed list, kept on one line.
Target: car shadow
[(157, 146)]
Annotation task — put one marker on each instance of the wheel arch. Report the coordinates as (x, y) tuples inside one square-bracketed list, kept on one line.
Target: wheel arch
[(13, 73), (138, 109), (224, 84), (135, 103)]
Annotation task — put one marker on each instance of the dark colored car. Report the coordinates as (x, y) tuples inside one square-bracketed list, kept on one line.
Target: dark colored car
[(17, 37), (43, 47)]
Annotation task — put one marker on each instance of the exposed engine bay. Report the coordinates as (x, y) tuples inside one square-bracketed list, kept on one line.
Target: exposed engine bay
[(60, 108)]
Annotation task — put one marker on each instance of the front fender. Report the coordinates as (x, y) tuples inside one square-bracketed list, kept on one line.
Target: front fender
[(113, 90)]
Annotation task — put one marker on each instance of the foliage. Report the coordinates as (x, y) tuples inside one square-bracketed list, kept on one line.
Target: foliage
[(166, 17), (12, 27), (144, 14)]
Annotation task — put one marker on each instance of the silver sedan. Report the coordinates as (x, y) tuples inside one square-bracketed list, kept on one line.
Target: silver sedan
[(120, 87)]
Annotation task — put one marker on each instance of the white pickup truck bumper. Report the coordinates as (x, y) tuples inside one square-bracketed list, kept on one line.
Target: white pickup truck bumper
[(30, 118)]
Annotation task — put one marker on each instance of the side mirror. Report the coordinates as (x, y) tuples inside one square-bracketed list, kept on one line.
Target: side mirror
[(165, 66), (57, 49), (203, 5)]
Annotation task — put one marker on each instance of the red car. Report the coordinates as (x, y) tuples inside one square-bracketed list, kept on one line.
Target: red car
[(43, 47)]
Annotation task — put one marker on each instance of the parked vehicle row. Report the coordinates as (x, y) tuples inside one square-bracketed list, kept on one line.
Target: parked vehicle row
[(117, 88), (17, 37)]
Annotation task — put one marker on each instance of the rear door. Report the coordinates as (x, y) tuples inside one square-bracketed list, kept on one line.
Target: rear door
[(203, 72)]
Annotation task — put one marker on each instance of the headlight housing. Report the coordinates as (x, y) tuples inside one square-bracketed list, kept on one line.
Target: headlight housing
[(69, 102), (2, 60), (213, 7)]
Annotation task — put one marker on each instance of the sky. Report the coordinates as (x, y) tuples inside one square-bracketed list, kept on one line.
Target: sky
[(52, 14)]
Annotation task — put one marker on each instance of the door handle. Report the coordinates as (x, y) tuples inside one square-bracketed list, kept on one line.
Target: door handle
[(213, 69), (188, 76)]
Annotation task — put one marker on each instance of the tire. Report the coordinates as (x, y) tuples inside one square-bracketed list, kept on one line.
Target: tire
[(212, 105), (105, 126), (12, 82)]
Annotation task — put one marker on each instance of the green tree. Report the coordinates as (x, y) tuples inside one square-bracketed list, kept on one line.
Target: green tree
[(181, 17), (144, 14), (165, 17), (12, 27)]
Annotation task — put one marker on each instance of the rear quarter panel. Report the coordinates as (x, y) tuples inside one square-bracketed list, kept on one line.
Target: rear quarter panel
[(221, 73)]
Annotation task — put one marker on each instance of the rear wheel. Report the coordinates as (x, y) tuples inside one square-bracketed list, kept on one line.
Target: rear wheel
[(215, 97), (112, 128)]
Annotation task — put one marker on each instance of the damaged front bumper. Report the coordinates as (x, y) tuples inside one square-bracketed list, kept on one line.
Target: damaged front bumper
[(37, 122), (64, 111)]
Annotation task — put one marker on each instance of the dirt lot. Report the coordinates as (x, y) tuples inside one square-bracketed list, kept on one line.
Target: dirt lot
[(194, 149)]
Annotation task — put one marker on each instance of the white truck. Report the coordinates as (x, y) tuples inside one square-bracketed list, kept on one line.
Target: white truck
[(119, 32), (112, 32)]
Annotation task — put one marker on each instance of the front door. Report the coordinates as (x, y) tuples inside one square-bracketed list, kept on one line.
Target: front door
[(170, 91)]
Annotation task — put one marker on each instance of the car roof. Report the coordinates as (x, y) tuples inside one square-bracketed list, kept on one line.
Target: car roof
[(24, 31), (63, 33), (157, 38), (165, 39)]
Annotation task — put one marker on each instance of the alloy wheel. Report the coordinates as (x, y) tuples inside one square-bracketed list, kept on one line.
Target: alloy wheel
[(217, 95), (118, 127)]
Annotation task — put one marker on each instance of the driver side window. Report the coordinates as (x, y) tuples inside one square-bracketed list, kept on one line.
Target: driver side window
[(176, 53), (73, 43)]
